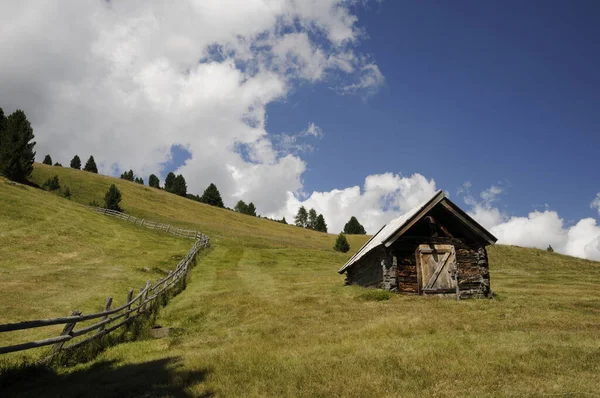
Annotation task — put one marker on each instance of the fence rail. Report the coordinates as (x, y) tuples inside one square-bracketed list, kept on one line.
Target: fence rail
[(134, 306), (142, 222)]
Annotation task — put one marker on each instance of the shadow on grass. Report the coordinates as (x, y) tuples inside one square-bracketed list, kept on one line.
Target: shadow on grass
[(162, 377)]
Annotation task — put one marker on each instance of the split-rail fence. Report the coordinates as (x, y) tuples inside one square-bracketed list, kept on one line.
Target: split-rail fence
[(111, 319)]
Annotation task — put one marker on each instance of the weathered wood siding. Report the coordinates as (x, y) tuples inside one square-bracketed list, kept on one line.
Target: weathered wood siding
[(373, 270), (473, 270), (368, 271)]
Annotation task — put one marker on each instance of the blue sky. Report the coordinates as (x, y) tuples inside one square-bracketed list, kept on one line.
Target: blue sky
[(493, 93)]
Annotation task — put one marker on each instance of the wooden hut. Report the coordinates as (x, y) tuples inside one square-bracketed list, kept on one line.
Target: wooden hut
[(435, 248)]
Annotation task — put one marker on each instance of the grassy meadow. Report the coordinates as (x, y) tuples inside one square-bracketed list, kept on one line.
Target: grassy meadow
[(266, 313), (57, 256)]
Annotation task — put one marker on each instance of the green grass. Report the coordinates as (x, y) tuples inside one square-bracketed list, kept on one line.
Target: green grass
[(266, 314), (57, 256)]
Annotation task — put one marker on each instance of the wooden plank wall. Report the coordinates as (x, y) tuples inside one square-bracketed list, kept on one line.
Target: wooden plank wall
[(473, 277)]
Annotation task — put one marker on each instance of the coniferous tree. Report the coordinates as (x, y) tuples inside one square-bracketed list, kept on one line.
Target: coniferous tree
[(90, 165), (312, 219), (52, 184), (16, 149), (153, 181), (301, 218), (112, 198), (241, 207), (57, 164), (139, 180), (320, 224), (193, 197), (179, 186), (169, 182), (550, 249), (128, 175), (47, 160), (212, 196), (2, 127), (283, 221), (354, 227), (251, 209), (341, 243), (76, 163)]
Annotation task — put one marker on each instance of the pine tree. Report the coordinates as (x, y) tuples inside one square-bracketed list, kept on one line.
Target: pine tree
[(251, 210), (57, 164), (320, 224), (128, 175), (212, 196), (179, 186), (2, 127), (354, 227), (301, 218), (241, 207), (153, 181), (16, 150), (52, 184), (112, 198), (341, 243), (550, 249), (76, 162), (283, 221), (312, 219), (139, 180), (90, 165), (47, 160), (169, 181)]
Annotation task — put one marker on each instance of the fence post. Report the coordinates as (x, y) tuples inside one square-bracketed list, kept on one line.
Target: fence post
[(66, 330), (106, 308), (129, 297), (145, 296)]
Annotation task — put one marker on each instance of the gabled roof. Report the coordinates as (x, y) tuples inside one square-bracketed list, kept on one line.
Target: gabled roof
[(389, 233)]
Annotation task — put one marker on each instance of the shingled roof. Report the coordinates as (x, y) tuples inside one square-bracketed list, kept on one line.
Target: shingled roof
[(389, 233)]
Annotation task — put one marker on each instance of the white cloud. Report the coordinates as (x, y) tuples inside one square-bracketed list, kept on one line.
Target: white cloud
[(596, 203), (539, 229), (125, 81), (383, 197), (298, 143), (315, 131), (490, 195), (370, 78)]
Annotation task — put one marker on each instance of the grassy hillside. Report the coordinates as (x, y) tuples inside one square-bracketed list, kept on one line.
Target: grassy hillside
[(144, 201), (266, 314), (57, 256)]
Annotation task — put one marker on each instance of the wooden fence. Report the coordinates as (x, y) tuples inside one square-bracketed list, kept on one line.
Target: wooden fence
[(110, 319), (183, 233)]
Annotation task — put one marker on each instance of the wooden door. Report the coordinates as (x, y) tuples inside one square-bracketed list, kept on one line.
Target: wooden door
[(436, 265)]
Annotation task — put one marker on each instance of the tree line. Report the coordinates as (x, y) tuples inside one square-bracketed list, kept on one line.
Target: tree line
[(310, 219)]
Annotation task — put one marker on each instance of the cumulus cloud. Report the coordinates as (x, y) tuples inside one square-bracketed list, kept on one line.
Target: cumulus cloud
[(596, 203), (538, 229), (127, 80), (382, 198)]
